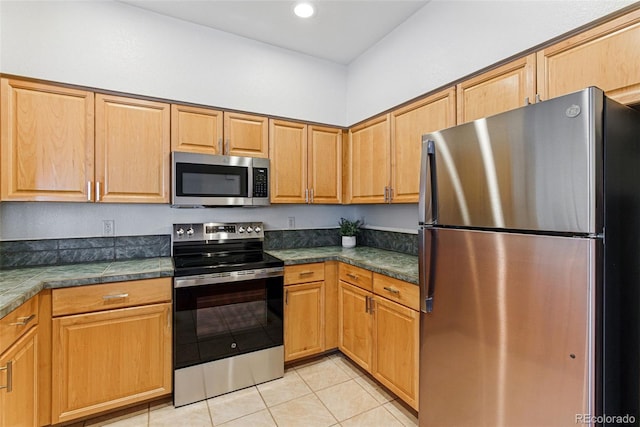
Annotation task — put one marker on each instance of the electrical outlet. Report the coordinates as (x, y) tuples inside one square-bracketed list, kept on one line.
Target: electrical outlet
[(292, 222), (108, 227)]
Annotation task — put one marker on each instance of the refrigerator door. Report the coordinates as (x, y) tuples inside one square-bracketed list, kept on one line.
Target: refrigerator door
[(534, 168), (508, 341)]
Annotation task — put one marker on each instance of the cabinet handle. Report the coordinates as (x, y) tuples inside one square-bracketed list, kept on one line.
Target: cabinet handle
[(526, 101), (353, 276), (390, 194), (89, 191), (385, 194), (226, 149), (392, 290), (116, 296), (306, 195), (9, 368), (97, 191), (538, 99), (286, 297), (22, 321), (220, 146), (366, 304), (305, 273), (312, 195)]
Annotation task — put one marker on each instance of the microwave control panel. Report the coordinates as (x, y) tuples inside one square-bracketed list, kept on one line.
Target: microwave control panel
[(260, 182)]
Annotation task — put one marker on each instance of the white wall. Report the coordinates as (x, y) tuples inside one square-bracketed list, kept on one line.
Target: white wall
[(447, 40), (118, 47), (115, 46), (41, 220)]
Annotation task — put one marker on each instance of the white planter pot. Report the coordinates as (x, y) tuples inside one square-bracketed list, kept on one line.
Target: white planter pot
[(348, 241)]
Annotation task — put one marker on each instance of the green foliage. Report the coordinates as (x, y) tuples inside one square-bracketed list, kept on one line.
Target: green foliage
[(349, 228)]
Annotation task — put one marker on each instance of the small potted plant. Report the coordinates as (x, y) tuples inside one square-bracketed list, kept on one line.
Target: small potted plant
[(348, 231)]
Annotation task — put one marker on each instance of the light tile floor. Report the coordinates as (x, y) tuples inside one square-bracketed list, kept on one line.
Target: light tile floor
[(329, 391)]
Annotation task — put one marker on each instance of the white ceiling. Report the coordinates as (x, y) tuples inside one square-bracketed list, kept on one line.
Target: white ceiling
[(339, 31)]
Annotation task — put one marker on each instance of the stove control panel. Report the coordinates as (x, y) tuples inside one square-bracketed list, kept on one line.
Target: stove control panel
[(217, 231)]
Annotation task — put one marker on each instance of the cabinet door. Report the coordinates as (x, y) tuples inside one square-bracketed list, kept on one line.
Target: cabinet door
[(196, 130), (246, 135), (132, 150), (288, 161), (369, 156), (354, 324), (325, 165), (19, 405), (408, 124), (303, 320), (109, 359), (396, 349), (502, 89), (605, 56), (47, 142)]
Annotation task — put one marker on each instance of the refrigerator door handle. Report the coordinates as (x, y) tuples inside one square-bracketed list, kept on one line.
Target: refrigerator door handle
[(427, 201), (427, 253)]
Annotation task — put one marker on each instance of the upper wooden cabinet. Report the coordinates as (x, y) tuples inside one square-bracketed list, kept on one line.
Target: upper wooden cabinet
[(384, 153), (504, 88), (305, 163), (210, 131), (246, 135), (369, 163), (132, 150), (196, 130), (606, 56), (408, 124), (47, 142), (61, 144)]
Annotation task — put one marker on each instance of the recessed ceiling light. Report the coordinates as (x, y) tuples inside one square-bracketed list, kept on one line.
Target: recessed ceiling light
[(304, 10)]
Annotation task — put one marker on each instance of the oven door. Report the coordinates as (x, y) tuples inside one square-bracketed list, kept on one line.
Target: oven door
[(222, 320)]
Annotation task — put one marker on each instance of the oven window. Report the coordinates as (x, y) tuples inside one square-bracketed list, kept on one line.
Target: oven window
[(211, 180), (213, 322)]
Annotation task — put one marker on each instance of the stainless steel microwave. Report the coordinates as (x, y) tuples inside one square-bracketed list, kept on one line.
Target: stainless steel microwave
[(201, 180)]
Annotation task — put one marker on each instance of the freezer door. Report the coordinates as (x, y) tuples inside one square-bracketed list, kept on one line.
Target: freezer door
[(509, 339), (533, 168)]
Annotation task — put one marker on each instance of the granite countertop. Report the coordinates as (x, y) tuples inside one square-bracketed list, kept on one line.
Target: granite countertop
[(394, 264), (18, 285)]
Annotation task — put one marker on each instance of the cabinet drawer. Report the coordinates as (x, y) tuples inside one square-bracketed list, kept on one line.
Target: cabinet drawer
[(396, 290), (84, 299), (356, 276), (303, 273), (18, 322)]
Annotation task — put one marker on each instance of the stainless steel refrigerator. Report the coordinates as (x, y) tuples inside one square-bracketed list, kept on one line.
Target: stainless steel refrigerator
[(530, 267)]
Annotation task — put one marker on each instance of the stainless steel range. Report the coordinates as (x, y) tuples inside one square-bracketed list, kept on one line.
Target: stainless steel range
[(228, 311)]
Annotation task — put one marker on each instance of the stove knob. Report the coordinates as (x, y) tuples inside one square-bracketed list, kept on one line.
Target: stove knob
[(249, 229), (257, 229), (179, 232), (190, 231), (241, 230)]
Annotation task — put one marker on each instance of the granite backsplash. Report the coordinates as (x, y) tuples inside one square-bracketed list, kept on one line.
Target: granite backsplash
[(389, 240), (32, 253)]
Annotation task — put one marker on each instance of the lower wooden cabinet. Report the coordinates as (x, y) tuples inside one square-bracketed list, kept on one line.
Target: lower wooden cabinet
[(19, 382), (304, 320), (355, 322), (113, 356), (381, 333), (396, 339)]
